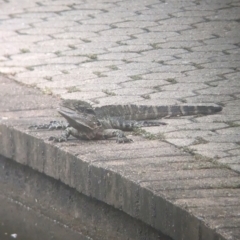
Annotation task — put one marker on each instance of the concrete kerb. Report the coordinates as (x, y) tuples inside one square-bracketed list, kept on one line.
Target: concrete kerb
[(102, 184), (133, 178)]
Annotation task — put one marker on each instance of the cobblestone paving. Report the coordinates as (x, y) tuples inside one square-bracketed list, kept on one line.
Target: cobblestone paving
[(144, 52), (134, 52)]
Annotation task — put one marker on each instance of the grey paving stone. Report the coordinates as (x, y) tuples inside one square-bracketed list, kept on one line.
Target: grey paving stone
[(14, 26), (235, 151), (20, 60), (181, 20), (163, 101), (73, 13), (191, 56), (83, 95), (182, 87), (201, 78), (193, 13), (209, 98), (151, 56), (171, 52), (67, 60), (230, 130), (173, 94), (222, 40), (230, 160), (119, 56), (144, 83), (190, 184), (72, 35), (189, 134), (117, 99), (11, 71), (219, 90), (171, 28), (119, 39), (36, 15), (161, 76), (193, 36), (70, 78), (156, 36), (181, 142), (37, 74), (220, 118), (92, 53), (54, 67), (48, 8), (137, 48), (7, 33), (235, 167), (213, 48), (15, 39), (57, 24), (224, 13), (40, 31), (207, 6), (122, 31), (94, 28), (220, 64), (136, 24), (137, 65), (176, 44), (133, 91), (218, 150), (176, 68), (207, 74), (7, 49)]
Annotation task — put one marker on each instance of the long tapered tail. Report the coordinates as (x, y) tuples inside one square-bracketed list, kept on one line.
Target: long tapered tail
[(144, 112)]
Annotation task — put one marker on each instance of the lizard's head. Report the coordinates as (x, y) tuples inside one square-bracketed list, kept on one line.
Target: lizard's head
[(79, 115), (78, 105)]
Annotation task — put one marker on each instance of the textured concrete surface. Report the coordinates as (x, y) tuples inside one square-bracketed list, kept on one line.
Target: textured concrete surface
[(181, 195), (36, 207), (152, 52)]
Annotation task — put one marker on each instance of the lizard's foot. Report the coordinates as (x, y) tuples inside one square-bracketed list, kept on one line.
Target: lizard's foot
[(40, 126), (64, 136), (150, 123), (124, 140), (121, 138), (57, 139)]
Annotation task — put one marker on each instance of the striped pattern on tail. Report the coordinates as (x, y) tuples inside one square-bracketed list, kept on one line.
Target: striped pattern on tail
[(145, 112)]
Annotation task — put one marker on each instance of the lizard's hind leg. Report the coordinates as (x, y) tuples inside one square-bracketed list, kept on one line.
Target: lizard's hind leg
[(148, 123), (121, 138)]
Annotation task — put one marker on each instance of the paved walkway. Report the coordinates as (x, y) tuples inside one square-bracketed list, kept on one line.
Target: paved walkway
[(144, 52)]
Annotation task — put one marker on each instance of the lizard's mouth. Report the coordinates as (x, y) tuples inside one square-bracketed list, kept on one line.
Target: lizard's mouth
[(79, 120)]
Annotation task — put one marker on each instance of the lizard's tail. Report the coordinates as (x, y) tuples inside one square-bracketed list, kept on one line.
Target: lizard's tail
[(144, 112)]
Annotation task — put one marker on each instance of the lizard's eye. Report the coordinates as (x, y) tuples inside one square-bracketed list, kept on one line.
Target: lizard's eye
[(89, 111), (98, 123)]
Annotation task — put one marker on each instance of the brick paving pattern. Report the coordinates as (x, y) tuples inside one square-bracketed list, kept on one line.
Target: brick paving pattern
[(143, 52)]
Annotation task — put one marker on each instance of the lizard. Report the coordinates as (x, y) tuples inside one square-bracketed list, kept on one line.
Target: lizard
[(88, 123)]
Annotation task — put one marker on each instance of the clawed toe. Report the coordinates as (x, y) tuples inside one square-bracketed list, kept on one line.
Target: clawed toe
[(124, 140), (55, 139)]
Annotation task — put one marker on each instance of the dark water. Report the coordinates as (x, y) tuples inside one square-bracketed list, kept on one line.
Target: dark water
[(23, 223)]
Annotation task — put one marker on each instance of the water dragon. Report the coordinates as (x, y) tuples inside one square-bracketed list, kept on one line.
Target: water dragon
[(88, 123)]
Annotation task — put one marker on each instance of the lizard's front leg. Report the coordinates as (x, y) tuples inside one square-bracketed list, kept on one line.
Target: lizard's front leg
[(87, 135), (53, 125), (121, 138), (64, 136)]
